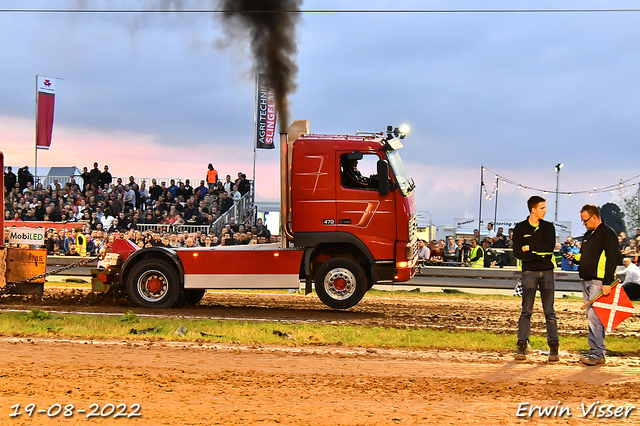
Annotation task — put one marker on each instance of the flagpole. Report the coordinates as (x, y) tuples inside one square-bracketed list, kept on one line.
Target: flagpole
[(599, 295), (255, 141), (480, 212), (35, 169)]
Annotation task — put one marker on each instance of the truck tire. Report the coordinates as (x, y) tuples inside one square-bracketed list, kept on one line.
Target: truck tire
[(341, 283), (193, 297), (152, 283)]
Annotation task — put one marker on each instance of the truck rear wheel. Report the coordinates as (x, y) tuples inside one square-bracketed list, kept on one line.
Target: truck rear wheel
[(193, 297), (341, 283), (153, 284)]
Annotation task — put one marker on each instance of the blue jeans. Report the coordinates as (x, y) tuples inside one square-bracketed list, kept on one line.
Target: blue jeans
[(596, 330), (545, 282)]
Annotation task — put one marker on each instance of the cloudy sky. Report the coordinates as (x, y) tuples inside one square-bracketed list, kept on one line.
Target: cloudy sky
[(163, 94)]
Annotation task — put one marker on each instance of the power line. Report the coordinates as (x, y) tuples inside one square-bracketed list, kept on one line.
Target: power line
[(180, 11)]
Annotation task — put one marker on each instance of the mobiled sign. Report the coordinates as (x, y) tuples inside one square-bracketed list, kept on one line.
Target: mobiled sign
[(31, 236)]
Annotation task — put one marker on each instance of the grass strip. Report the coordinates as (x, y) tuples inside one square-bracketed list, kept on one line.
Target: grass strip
[(131, 327)]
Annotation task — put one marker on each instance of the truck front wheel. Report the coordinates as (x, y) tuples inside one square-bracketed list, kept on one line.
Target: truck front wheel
[(341, 283), (153, 284)]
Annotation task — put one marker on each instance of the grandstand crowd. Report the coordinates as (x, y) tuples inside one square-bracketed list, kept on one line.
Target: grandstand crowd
[(105, 208)]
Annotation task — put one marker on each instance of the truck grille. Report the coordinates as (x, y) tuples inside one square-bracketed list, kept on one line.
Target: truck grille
[(413, 226), (413, 231)]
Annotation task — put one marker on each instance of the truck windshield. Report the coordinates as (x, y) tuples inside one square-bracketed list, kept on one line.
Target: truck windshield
[(404, 181)]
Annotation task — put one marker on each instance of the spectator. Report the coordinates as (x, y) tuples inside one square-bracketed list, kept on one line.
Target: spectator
[(105, 177), (188, 189), (212, 176), (490, 257), (52, 244), (85, 178), (155, 191), (189, 242), (143, 195), (450, 251), (10, 179), (107, 220), (129, 198), (476, 258), (191, 212), (90, 247), (631, 283), (500, 242), (172, 189), (201, 191), (227, 185), (235, 194), (72, 250), (631, 251), (225, 202), (233, 225), (24, 178), (94, 176), (261, 230), (243, 184), (569, 250), (463, 251), (491, 233), (512, 259), (437, 252), (622, 238)]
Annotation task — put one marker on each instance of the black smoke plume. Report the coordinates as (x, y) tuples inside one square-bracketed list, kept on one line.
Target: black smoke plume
[(271, 27)]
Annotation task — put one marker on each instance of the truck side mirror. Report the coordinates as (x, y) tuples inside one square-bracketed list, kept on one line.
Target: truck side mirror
[(383, 177)]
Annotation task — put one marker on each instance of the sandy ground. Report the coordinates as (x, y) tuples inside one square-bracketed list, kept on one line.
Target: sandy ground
[(206, 384)]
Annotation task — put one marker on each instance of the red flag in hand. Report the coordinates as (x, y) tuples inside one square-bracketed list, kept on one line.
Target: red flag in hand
[(614, 308)]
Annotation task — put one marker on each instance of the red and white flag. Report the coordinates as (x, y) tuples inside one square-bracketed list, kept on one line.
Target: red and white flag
[(45, 96), (614, 308)]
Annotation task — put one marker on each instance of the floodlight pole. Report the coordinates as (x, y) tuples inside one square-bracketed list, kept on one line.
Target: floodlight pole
[(558, 167)]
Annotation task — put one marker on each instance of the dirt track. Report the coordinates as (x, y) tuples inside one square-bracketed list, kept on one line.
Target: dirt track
[(239, 385), (455, 313)]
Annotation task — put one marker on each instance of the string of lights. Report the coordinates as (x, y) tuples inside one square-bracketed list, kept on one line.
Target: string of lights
[(624, 183)]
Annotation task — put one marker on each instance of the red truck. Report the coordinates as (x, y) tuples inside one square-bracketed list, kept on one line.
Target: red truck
[(341, 232)]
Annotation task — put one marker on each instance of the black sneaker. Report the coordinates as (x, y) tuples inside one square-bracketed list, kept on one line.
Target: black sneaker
[(521, 352), (592, 360)]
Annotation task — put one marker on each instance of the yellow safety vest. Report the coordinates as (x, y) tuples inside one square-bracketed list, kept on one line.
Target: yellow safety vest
[(479, 263), (81, 245)]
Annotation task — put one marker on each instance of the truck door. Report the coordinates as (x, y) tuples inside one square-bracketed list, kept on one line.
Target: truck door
[(361, 210), (313, 202)]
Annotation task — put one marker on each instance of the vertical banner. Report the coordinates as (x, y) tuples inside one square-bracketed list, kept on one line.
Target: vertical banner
[(45, 96), (265, 113)]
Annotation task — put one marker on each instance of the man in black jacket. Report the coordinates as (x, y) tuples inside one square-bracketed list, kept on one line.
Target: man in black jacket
[(597, 262), (94, 176), (533, 243), (10, 180)]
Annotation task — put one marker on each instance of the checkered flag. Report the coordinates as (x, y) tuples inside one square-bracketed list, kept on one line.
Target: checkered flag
[(518, 290)]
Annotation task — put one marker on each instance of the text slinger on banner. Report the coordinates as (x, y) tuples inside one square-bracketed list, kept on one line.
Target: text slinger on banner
[(265, 113)]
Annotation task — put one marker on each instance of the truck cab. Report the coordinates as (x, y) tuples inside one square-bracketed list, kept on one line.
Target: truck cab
[(352, 200)]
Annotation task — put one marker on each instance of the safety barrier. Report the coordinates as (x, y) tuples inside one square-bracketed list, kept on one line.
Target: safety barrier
[(496, 278)]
